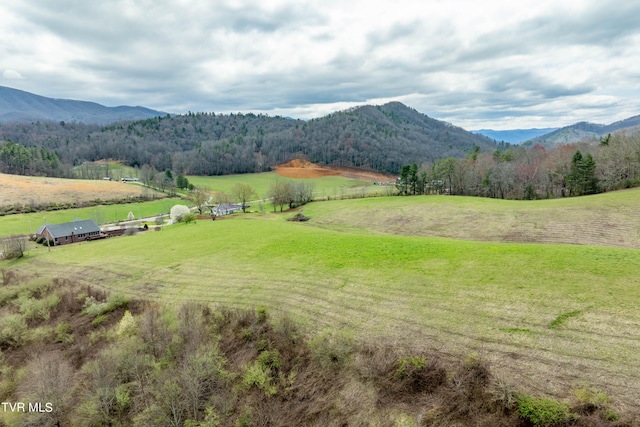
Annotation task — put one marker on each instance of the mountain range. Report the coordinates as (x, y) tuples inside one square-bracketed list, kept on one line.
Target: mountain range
[(377, 137), (584, 131), (381, 138), (514, 136), (20, 106)]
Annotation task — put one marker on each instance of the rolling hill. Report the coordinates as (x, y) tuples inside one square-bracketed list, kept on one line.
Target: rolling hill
[(20, 106), (549, 316), (381, 138)]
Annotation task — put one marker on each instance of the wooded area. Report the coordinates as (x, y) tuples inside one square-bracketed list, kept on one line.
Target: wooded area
[(379, 138), (531, 173)]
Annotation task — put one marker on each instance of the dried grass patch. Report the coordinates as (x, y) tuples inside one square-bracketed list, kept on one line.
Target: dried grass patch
[(28, 190)]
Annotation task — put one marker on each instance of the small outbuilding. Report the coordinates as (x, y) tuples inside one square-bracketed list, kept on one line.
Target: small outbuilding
[(69, 232)]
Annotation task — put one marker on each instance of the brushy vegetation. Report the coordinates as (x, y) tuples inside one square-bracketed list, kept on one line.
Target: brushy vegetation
[(194, 364), (544, 412)]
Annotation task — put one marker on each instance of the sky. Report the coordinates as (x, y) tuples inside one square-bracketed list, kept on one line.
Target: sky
[(476, 64)]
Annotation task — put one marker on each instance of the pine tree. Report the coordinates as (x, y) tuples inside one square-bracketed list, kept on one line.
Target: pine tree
[(582, 179)]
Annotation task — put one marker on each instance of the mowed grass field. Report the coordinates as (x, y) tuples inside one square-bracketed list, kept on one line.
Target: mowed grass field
[(324, 187), (545, 316)]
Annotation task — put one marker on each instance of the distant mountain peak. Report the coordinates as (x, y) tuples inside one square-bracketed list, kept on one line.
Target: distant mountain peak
[(584, 131), (514, 136), (21, 106)]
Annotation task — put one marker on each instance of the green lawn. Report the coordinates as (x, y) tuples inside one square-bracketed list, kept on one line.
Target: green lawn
[(567, 312)]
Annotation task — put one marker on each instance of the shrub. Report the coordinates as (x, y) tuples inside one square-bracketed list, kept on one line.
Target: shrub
[(33, 309), (94, 308), (408, 365), (188, 218), (127, 325), (332, 349), (544, 412), (99, 320), (259, 375), (63, 333), (8, 277), (504, 395), (12, 329), (262, 314), (8, 294), (415, 374), (590, 398)]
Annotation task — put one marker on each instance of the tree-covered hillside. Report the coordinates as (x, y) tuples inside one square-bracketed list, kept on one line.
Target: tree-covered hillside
[(375, 137)]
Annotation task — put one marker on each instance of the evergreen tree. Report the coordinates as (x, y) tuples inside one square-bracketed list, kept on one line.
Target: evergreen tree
[(588, 173), (582, 179)]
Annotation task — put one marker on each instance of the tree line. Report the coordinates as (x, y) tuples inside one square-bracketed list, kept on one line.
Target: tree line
[(531, 173), (38, 161), (380, 138)]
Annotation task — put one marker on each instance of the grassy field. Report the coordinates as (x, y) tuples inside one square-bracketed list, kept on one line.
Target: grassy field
[(29, 223), (546, 317), (609, 219), (327, 186), (42, 191)]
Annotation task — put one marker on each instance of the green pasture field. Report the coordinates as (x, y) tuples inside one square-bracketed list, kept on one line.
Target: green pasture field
[(333, 187), (545, 316), (29, 223), (114, 168), (610, 219)]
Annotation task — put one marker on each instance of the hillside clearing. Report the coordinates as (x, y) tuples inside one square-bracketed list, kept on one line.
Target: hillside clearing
[(299, 168)]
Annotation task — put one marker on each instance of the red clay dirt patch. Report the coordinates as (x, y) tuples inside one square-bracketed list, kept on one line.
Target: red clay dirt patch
[(300, 168)]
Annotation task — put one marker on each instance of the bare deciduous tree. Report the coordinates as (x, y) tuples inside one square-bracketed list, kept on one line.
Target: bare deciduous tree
[(49, 381), (13, 247), (243, 193), (200, 197), (281, 194)]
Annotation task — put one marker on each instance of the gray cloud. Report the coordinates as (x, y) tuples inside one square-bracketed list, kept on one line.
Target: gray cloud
[(473, 66)]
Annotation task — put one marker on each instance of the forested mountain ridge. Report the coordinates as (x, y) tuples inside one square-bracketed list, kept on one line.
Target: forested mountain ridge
[(20, 106), (583, 132), (381, 138)]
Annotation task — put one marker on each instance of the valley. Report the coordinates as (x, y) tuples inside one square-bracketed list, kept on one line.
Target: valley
[(544, 314)]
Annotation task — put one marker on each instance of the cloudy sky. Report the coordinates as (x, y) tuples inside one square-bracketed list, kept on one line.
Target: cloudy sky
[(477, 64)]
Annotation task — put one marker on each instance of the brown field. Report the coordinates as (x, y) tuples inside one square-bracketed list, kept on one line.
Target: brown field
[(299, 168), (31, 190)]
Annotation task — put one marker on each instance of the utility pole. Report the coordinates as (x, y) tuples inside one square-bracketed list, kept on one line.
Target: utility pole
[(44, 220)]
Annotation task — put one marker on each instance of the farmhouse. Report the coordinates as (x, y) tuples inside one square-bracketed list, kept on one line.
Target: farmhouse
[(226, 209), (69, 232)]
